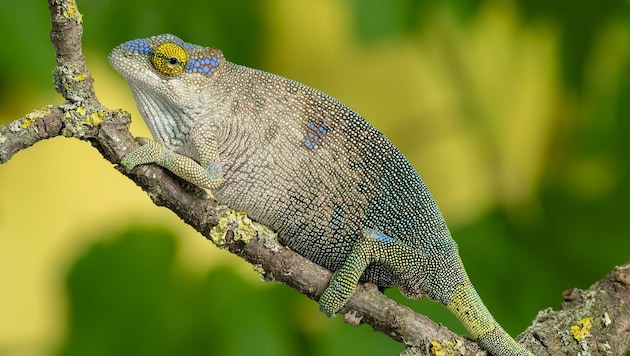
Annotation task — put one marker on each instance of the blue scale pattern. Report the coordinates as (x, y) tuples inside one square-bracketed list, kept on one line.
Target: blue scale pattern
[(206, 65), (139, 46), (316, 130)]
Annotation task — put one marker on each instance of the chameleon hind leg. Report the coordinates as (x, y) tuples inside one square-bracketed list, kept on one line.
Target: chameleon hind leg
[(372, 247)]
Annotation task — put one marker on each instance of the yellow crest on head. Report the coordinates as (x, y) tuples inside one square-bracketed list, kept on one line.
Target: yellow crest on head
[(169, 58)]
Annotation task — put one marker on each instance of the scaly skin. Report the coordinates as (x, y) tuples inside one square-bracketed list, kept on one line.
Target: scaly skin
[(333, 187)]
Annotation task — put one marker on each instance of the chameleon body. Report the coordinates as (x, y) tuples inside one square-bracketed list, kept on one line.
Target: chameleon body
[(299, 161)]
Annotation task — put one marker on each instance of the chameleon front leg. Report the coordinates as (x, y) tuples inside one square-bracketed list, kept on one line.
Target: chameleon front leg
[(372, 246), (208, 174)]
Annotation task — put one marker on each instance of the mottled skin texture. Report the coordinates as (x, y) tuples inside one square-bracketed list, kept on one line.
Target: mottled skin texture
[(334, 188)]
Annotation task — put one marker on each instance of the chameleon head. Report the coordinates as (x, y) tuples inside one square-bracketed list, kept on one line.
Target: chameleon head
[(166, 65), (166, 73)]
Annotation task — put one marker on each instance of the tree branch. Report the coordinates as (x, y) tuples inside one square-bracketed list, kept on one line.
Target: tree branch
[(594, 321), (83, 117), (22, 133)]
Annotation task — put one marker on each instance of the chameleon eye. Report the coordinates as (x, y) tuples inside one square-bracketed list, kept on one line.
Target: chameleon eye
[(169, 58)]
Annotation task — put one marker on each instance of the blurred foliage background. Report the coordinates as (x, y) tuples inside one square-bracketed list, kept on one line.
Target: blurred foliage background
[(514, 112)]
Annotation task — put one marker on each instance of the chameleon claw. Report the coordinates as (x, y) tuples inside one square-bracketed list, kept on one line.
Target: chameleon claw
[(330, 303), (127, 162), (342, 286)]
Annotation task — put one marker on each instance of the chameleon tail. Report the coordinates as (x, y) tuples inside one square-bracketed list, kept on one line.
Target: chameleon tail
[(463, 301), (467, 306)]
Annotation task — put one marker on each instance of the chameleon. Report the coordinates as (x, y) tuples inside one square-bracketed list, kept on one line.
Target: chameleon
[(334, 188)]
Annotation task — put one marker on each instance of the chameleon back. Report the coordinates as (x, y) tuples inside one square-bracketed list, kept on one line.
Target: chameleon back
[(321, 177)]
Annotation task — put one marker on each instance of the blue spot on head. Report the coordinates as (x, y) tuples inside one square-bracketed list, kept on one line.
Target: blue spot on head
[(139, 46), (205, 65)]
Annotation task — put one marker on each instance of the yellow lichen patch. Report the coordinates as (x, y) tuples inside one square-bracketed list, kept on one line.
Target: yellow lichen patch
[(239, 226), (94, 118), (72, 12), (446, 348), (30, 118), (80, 110), (26, 122), (581, 331), (79, 77)]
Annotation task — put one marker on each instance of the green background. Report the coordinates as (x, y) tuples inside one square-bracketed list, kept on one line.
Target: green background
[(515, 113)]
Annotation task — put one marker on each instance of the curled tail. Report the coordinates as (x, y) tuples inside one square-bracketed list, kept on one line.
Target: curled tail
[(467, 306)]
